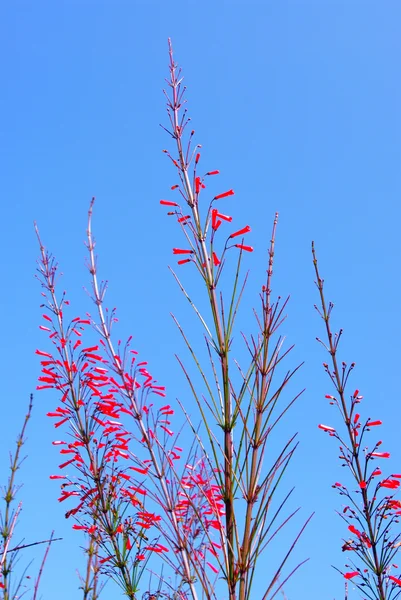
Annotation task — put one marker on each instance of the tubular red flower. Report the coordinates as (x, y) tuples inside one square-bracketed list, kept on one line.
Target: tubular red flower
[(213, 173), (245, 248), (41, 353), (168, 202), (380, 454), (224, 217), (216, 261), (185, 260), (224, 195), (181, 251), (242, 231), (168, 431), (326, 428), (66, 463), (138, 470), (354, 530), (351, 574), (373, 423), (391, 484), (199, 185), (395, 580)]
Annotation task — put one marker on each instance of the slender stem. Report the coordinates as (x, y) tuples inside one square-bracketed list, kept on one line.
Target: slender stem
[(222, 342), (10, 519), (42, 565)]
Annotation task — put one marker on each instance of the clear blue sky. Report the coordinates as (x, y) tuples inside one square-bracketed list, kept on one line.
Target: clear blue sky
[(297, 102)]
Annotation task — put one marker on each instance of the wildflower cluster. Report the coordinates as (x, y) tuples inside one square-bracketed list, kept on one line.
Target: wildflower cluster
[(118, 442), (370, 511), (200, 233)]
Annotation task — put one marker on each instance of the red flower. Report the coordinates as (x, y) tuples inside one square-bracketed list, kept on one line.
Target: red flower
[(41, 353), (397, 581), (392, 484), (373, 423), (216, 261), (168, 203), (245, 248), (351, 574), (180, 251), (216, 216), (354, 530), (380, 454), (326, 428), (213, 173), (214, 569), (224, 195), (198, 185), (242, 231), (156, 548)]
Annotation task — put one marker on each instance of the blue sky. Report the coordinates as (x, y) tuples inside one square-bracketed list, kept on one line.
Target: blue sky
[(297, 104)]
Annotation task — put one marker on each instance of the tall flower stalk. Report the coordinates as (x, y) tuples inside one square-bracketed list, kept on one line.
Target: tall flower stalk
[(371, 510), (252, 408)]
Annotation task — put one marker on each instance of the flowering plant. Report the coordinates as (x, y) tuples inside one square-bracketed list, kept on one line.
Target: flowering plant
[(196, 520)]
